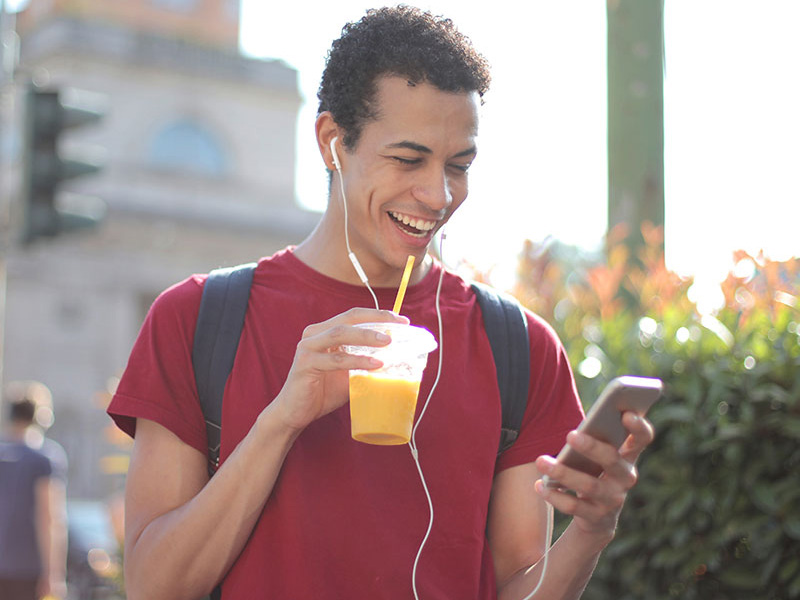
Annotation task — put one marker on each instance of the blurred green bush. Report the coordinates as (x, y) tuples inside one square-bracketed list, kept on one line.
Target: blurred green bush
[(716, 511)]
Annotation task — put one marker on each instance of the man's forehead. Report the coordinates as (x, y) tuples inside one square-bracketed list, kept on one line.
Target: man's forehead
[(420, 102)]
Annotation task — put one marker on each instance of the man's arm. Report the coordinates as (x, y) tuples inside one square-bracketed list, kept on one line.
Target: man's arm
[(518, 517), (51, 532), (58, 527), (184, 532)]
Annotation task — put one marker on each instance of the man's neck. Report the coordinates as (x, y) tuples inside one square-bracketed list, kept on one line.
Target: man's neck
[(15, 432), (325, 251)]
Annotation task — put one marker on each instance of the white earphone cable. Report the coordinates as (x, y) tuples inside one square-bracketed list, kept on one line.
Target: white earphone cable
[(356, 265), (412, 444), (548, 542)]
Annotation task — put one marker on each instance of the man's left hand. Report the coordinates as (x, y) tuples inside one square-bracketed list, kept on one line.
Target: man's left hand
[(597, 501)]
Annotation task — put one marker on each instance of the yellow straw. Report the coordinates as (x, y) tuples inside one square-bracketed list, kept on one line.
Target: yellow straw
[(401, 291)]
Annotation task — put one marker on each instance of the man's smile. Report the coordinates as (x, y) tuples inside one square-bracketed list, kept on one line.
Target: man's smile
[(412, 225)]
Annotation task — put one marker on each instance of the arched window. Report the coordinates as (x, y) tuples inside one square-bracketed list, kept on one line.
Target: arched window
[(188, 147)]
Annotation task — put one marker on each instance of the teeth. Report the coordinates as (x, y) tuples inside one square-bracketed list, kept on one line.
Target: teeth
[(420, 224)]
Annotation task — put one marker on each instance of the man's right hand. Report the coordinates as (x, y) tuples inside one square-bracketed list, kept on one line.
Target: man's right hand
[(317, 383), (177, 521)]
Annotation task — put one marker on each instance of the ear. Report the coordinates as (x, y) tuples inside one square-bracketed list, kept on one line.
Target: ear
[(327, 130)]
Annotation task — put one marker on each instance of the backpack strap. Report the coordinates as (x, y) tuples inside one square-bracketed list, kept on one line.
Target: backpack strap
[(216, 338), (507, 330)]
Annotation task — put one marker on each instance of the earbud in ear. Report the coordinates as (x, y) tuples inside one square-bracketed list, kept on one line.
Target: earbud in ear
[(336, 162)]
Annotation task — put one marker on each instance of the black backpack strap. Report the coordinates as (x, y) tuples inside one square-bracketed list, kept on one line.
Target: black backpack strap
[(216, 338), (507, 329)]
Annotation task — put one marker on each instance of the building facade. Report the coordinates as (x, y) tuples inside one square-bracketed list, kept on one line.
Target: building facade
[(199, 145)]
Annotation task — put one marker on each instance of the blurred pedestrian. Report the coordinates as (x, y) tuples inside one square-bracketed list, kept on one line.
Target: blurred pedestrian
[(33, 529)]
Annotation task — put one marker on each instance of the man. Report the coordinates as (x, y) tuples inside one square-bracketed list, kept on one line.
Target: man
[(33, 539), (299, 510)]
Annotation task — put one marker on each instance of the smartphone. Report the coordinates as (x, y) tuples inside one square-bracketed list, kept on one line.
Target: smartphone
[(604, 419)]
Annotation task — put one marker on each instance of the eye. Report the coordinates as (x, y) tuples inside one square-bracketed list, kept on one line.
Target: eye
[(406, 161), (461, 168)]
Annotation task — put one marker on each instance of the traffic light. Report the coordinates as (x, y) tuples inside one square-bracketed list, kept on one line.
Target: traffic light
[(48, 114)]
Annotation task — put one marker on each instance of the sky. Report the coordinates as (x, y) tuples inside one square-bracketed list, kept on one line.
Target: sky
[(731, 124)]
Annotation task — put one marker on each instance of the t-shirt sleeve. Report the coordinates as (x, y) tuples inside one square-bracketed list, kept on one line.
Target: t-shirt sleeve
[(42, 467), (57, 457), (158, 383), (554, 408)]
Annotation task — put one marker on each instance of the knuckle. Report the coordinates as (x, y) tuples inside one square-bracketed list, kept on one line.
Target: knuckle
[(558, 471), (339, 357), (570, 504), (357, 312), (593, 487), (338, 331), (633, 476), (301, 358), (588, 443), (302, 347)]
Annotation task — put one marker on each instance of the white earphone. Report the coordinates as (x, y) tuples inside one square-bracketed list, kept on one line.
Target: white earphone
[(336, 162)]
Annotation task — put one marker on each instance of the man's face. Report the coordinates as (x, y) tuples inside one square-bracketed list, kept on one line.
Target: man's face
[(408, 172)]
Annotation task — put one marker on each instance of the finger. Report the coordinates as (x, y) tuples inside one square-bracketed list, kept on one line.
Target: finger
[(604, 456), (622, 475), (599, 452), (342, 361), (601, 489), (317, 354), (597, 508), (615, 466), (354, 316), (561, 500), (370, 315), (332, 339), (641, 434)]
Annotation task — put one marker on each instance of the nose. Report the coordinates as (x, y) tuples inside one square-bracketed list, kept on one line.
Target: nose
[(433, 189)]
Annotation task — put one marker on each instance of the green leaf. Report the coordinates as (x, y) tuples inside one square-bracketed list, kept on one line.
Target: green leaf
[(791, 525), (680, 506), (770, 566), (727, 433), (668, 557), (789, 569), (740, 579), (673, 414), (791, 428), (764, 498)]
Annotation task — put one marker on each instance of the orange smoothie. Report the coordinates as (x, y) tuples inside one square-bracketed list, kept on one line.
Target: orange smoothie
[(382, 408)]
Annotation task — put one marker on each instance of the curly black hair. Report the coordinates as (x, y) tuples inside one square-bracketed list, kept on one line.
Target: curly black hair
[(402, 41)]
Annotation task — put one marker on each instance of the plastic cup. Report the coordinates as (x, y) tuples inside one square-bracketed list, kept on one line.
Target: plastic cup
[(383, 401)]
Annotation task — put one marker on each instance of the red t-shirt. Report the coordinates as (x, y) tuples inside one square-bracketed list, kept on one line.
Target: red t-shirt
[(345, 519)]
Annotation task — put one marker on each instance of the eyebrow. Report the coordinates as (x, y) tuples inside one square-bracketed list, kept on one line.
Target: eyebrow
[(408, 145)]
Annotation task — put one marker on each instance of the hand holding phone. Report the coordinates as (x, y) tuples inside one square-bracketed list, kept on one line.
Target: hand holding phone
[(604, 419)]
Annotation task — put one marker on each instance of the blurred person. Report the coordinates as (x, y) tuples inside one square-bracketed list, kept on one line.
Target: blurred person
[(33, 471), (297, 509)]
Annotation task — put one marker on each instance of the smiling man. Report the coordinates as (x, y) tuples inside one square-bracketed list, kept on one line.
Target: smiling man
[(297, 509)]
